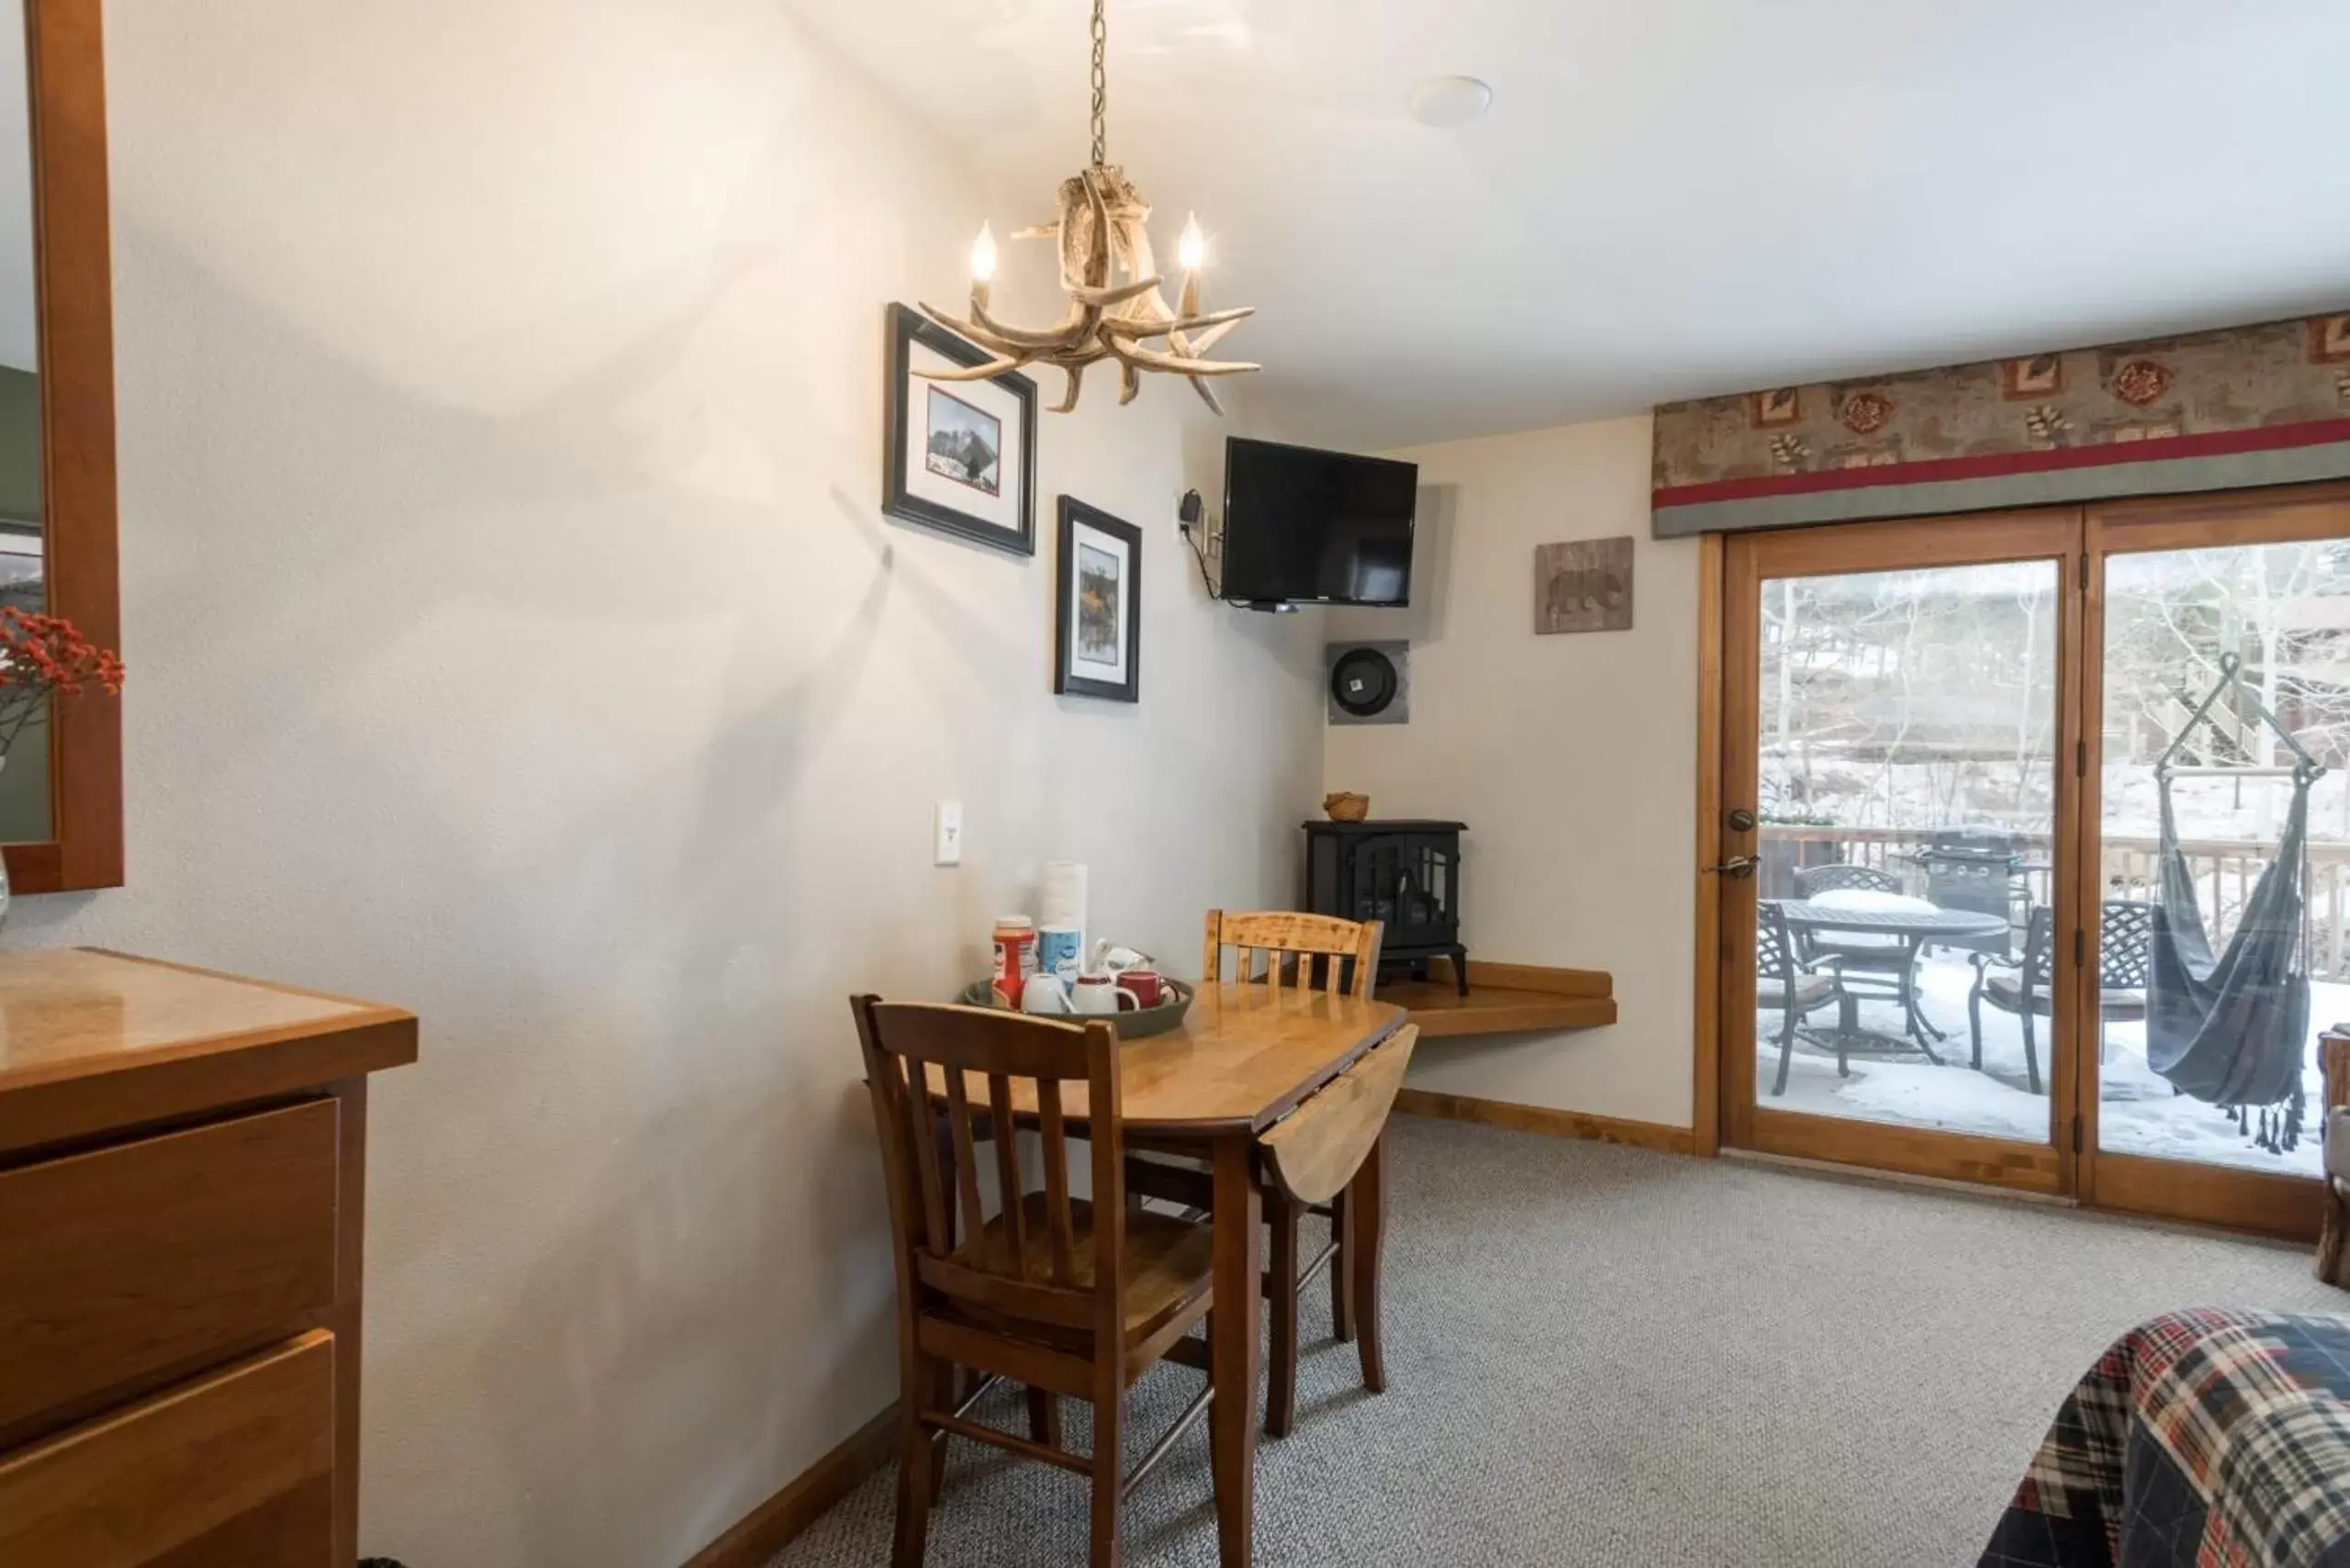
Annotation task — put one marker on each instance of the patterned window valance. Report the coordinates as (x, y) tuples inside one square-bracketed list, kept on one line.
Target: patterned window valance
[(2266, 405)]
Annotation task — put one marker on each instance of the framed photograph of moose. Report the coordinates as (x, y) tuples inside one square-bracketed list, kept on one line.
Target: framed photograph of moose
[(958, 456), (1097, 606)]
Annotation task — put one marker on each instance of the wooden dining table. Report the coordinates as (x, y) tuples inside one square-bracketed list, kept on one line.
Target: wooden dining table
[(1245, 1057)]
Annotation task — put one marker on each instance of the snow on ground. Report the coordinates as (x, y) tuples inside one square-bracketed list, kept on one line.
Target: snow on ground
[(2138, 1112)]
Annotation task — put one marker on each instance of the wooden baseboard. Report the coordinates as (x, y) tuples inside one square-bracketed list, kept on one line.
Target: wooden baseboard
[(769, 1528), (1542, 1119)]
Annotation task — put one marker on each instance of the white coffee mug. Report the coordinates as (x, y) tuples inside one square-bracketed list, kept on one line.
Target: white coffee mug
[(1045, 994), (1099, 993)]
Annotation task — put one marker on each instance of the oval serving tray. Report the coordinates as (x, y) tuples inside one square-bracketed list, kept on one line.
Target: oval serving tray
[(1131, 1026)]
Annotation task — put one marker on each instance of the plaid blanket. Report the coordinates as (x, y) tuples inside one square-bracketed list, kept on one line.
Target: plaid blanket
[(2199, 1439)]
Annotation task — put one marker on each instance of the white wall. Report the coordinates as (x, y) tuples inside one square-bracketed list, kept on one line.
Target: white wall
[(514, 635), (1572, 758)]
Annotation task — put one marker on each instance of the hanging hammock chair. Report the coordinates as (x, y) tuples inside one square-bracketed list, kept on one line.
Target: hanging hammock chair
[(2232, 1029)]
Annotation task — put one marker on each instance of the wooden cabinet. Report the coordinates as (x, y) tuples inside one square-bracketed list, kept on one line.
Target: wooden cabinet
[(182, 1194), (237, 1467)]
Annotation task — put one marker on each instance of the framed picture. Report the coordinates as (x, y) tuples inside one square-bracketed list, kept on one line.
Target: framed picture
[(958, 456), (1584, 585), (1097, 606)]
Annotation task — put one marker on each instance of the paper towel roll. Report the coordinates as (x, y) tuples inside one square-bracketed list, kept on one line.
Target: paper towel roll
[(1063, 900)]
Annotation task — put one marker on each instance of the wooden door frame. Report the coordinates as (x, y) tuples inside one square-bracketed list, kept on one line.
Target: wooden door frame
[(1705, 1087), (1728, 702), (2275, 1203)]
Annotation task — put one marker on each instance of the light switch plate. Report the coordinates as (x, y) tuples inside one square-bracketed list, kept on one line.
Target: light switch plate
[(948, 836)]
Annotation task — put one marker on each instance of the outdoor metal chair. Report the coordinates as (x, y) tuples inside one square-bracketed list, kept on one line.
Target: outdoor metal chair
[(1884, 968), (1796, 991), (1814, 880), (2125, 937)]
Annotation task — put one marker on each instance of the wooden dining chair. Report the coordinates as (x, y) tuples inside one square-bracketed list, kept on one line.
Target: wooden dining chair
[(1067, 1296), (1314, 952), (1343, 952)]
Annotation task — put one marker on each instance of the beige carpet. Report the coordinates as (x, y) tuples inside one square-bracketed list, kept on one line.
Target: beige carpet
[(1604, 1356)]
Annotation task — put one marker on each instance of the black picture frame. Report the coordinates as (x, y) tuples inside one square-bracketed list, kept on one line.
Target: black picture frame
[(907, 327), (1067, 678)]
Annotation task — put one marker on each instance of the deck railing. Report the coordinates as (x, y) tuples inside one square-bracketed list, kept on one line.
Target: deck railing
[(2225, 872)]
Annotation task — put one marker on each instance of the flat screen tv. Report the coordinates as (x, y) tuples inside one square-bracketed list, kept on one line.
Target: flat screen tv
[(1308, 527)]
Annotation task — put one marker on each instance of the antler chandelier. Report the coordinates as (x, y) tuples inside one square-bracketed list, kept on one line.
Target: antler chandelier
[(1102, 227)]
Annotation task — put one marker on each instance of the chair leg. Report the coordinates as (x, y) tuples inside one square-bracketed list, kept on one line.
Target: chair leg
[(1919, 1025), (1848, 1023), (1109, 1471), (1281, 1349), (1974, 1023), (1342, 1301), (946, 1393), (1044, 1417), (1368, 1192), (2030, 1054), (916, 1471), (1786, 1047)]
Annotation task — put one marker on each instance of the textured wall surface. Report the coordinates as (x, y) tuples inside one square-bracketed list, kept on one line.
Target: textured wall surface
[(1572, 758), (514, 635)]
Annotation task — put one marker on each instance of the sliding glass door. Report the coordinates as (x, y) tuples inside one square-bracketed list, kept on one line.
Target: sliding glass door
[(2035, 847), (1898, 699), (2219, 849)]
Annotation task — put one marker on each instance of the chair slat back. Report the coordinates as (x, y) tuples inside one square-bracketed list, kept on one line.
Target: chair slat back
[(1344, 953), (2038, 948), (1773, 952), (1813, 880), (1315, 1150), (945, 1080), (2125, 943)]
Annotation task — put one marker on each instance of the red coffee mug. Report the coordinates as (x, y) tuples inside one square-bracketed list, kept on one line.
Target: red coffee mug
[(1147, 988)]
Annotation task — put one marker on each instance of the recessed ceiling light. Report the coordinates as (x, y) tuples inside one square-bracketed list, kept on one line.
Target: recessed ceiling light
[(1448, 101)]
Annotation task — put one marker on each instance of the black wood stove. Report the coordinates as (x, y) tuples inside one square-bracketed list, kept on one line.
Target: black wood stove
[(1405, 875)]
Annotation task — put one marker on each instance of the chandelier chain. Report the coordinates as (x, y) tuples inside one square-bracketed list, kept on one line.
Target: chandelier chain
[(1101, 85)]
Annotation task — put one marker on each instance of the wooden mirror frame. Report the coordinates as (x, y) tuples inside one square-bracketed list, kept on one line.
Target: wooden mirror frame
[(73, 268)]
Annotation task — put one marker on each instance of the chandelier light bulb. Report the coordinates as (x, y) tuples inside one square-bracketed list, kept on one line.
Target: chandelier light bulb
[(1100, 228)]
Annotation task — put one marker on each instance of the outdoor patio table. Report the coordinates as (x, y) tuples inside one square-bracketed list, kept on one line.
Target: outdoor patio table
[(1914, 923)]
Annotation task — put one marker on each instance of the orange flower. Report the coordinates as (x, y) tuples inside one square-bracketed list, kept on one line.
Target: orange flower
[(43, 656)]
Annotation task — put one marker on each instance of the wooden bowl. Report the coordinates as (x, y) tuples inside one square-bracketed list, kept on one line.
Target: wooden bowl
[(1345, 806), (1139, 1024)]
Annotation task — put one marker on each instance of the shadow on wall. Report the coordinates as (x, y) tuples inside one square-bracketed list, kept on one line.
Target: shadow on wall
[(508, 639), (380, 585)]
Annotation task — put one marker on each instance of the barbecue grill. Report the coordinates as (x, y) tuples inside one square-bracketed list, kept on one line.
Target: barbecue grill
[(1980, 869)]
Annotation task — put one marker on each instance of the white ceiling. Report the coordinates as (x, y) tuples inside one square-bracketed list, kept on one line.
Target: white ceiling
[(1671, 198)]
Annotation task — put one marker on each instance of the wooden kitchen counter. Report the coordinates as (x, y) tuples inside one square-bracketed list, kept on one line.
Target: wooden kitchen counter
[(182, 1192), (92, 1041)]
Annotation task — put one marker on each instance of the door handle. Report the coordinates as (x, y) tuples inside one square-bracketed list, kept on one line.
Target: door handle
[(1736, 866)]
